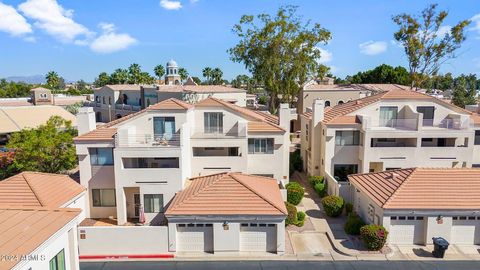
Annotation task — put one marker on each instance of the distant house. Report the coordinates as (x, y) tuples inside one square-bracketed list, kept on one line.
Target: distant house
[(41, 96)]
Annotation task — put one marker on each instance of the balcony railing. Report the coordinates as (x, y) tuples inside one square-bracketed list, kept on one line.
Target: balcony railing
[(398, 123), (148, 140), (446, 123), (206, 133), (126, 107), (91, 104)]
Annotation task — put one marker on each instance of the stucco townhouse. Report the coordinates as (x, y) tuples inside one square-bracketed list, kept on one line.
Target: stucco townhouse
[(134, 166), (417, 204), (389, 130), (39, 215)]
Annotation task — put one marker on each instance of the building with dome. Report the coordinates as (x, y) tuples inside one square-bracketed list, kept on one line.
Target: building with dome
[(172, 77)]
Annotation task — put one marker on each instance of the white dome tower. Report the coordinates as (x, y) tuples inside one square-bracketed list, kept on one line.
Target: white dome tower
[(172, 77)]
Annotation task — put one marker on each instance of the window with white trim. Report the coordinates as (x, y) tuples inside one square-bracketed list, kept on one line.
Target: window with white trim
[(260, 145)]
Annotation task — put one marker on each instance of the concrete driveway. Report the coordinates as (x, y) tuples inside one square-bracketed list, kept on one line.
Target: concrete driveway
[(310, 244)]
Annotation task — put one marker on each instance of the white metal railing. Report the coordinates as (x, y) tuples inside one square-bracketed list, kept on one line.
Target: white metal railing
[(148, 140)]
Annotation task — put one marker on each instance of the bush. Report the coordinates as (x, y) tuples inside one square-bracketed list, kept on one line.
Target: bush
[(374, 236), (320, 189), (295, 193), (348, 208), (315, 179), (300, 219), (353, 224), (333, 205), (292, 218)]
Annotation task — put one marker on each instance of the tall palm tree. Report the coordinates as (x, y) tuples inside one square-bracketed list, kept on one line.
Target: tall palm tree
[(53, 79), (135, 71), (119, 76), (217, 75), (159, 71), (183, 73), (207, 74)]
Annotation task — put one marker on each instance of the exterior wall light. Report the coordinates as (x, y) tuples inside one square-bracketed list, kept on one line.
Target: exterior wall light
[(226, 227)]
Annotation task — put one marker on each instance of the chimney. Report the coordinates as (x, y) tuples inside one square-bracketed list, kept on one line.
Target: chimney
[(85, 120), (318, 111), (284, 116)]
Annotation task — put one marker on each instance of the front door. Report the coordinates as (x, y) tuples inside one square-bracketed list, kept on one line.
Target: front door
[(136, 202)]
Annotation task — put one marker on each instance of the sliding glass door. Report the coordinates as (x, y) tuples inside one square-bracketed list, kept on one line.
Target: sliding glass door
[(163, 127), (388, 116)]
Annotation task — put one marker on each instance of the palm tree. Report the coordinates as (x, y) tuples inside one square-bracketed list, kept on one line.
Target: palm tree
[(217, 75), (159, 71), (183, 73), (119, 76), (134, 70), (53, 79), (207, 73)]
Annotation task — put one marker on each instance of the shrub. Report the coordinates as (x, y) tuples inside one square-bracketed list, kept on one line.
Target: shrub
[(348, 208), (315, 179), (373, 236), (292, 214), (320, 189), (333, 205), (295, 193), (353, 224), (300, 219)]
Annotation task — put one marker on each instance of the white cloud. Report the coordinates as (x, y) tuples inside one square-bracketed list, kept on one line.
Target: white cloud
[(325, 56), (12, 22), (54, 19), (476, 24), (373, 47), (170, 5), (109, 41)]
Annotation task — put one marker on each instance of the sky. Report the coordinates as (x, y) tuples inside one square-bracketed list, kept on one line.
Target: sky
[(81, 38)]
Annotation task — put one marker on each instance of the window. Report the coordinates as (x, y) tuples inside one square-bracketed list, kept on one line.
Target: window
[(157, 162), (260, 146), (103, 99), (163, 127), (428, 113), (477, 137), (388, 116), (306, 132), (97, 99), (103, 197), (340, 102), (109, 100), (233, 151), (213, 122), (153, 203), (58, 262), (347, 137), (341, 171), (264, 174), (101, 156), (327, 103), (371, 212)]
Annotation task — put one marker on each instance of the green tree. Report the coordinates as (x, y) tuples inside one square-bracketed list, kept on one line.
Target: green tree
[(6, 160), (102, 79), (146, 78), (280, 51), (322, 71), (135, 73), (382, 74), (425, 47), (48, 148), (464, 90), (119, 76), (207, 74), (217, 76), (53, 80), (183, 74), (159, 71), (81, 85)]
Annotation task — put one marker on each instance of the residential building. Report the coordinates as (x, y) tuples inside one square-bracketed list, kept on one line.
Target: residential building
[(14, 119), (147, 157), (385, 131), (417, 204), (39, 214), (41, 96)]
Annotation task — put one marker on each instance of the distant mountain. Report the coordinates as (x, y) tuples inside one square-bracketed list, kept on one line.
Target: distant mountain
[(34, 79)]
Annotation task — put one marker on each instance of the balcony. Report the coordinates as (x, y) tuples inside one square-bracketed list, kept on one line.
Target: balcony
[(126, 107), (91, 104), (395, 124), (148, 140), (234, 133), (390, 153), (447, 123)]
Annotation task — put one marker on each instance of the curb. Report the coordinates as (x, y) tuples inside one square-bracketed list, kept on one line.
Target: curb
[(126, 257)]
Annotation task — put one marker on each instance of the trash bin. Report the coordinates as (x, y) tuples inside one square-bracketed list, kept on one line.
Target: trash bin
[(440, 245)]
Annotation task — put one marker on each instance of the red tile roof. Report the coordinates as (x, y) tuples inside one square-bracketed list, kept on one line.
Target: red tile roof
[(38, 189), (229, 194), (422, 188), (171, 104)]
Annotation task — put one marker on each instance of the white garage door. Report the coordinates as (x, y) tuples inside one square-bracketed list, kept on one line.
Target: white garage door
[(465, 231), (258, 237), (406, 230), (195, 237)]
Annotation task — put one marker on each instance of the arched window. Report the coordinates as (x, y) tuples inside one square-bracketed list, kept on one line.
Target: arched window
[(125, 99), (327, 103), (103, 99), (139, 102), (97, 99), (148, 102), (340, 102), (109, 100)]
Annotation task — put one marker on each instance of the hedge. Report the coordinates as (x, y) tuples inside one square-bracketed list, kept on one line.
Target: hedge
[(333, 205), (315, 179), (300, 219), (292, 218), (295, 193), (353, 224), (374, 236), (320, 189)]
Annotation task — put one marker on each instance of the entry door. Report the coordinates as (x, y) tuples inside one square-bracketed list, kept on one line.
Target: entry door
[(136, 202)]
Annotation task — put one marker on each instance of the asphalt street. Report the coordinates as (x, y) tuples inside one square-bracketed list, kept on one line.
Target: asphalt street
[(284, 265)]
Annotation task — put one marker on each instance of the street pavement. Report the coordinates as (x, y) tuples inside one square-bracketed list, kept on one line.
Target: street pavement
[(284, 265)]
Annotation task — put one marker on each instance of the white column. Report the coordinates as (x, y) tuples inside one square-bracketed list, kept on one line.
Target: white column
[(281, 238), (121, 206)]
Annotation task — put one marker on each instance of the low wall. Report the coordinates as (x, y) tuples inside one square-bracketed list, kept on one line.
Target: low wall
[(342, 189), (122, 240)]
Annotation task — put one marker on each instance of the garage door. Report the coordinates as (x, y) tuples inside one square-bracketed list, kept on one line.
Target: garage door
[(195, 237), (406, 230), (258, 237), (465, 231)]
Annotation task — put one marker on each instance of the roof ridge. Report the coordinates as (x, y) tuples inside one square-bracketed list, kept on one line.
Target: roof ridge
[(253, 190), (401, 185), (24, 174)]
